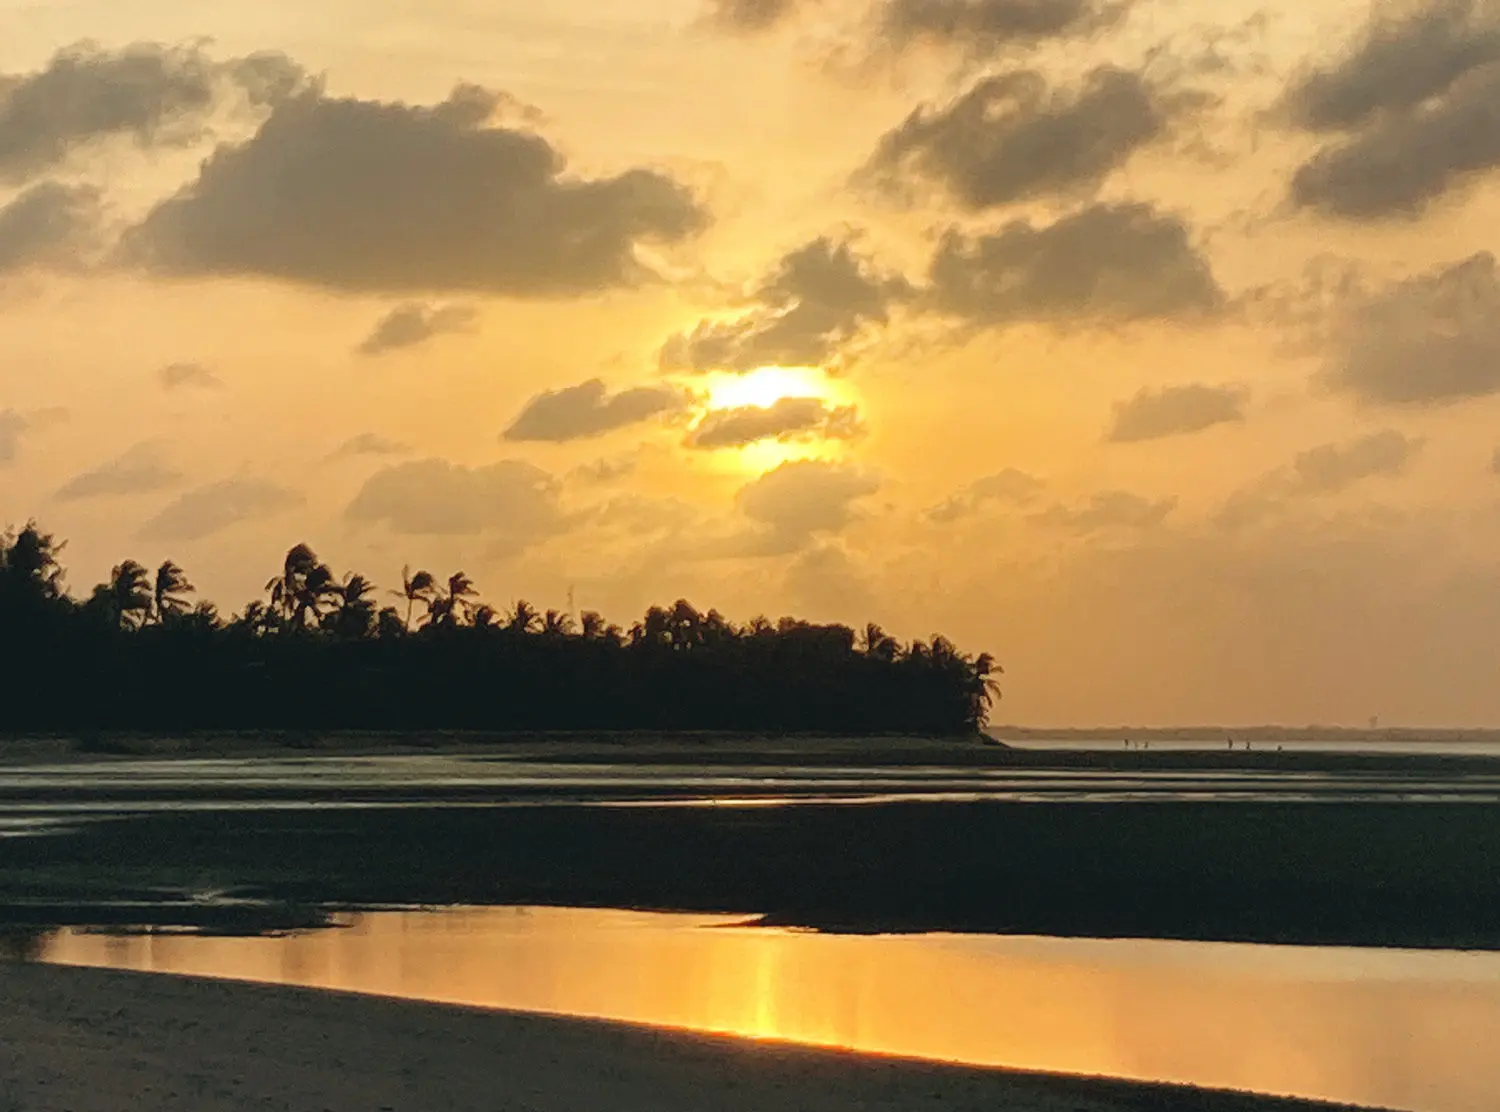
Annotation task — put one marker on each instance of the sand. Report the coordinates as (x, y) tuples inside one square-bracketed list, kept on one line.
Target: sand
[(82, 1040)]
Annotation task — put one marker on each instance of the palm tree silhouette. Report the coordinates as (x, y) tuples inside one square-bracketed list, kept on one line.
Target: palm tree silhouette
[(299, 592), (874, 642), (171, 583), (450, 605), (523, 618), (415, 587), (556, 624), (130, 594), (353, 613)]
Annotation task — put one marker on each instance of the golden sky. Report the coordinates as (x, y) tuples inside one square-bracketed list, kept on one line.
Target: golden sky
[(1152, 346)]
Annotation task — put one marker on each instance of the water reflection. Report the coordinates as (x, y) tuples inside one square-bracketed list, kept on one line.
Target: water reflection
[(1398, 1029)]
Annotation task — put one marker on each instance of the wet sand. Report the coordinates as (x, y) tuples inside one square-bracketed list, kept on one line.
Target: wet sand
[(85, 1040)]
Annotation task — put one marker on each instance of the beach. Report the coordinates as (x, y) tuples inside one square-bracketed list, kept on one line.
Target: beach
[(85, 1040)]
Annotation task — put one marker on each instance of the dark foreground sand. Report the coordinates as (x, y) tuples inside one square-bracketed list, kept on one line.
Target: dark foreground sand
[(92, 1041)]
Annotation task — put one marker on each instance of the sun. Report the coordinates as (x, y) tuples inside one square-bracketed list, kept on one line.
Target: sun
[(762, 388), (765, 386)]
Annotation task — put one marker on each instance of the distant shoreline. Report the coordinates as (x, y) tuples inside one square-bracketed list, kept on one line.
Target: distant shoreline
[(1244, 733)]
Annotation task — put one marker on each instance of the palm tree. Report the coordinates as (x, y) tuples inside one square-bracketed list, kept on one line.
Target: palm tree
[(30, 557), (523, 618), (301, 590), (486, 617), (353, 615), (415, 588), (130, 595), (451, 604), (874, 642), (592, 624), (556, 624), (171, 584)]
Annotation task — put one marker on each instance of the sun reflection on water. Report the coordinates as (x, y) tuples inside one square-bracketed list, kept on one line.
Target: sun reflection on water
[(1387, 1028)]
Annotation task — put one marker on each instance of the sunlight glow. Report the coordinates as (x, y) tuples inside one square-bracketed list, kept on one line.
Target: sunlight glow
[(768, 385), (761, 389)]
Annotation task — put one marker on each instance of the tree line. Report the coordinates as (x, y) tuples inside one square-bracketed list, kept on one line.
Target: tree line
[(323, 651)]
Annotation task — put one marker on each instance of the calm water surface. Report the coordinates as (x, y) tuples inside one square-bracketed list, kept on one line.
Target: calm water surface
[(1398, 1029)]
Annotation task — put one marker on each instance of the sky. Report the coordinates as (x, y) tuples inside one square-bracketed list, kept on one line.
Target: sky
[(1152, 346)]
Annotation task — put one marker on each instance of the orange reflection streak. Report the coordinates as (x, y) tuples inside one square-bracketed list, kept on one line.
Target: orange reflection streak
[(1396, 1029)]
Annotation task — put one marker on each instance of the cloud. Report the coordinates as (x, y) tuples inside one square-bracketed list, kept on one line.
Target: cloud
[(415, 323), (786, 419), (1109, 509), (12, 427), (140, 470), (588, 410), (1325, 470), (805, 497), (369, 196), (1176, 411), (824, 583), (195, 375), (987, 26), (605, 470), (1397, 64), (512, 502), (1330, 468), (1010, 138), (1415, 103), (213, 508), (749, 16), (1106, 264), (49, 224), (369, 444), (1432, 339), (151, 93), (1010, 487), (817, 301)]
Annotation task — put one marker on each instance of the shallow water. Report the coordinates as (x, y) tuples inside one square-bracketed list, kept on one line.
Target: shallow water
[(68, 793), (1396, 1029)]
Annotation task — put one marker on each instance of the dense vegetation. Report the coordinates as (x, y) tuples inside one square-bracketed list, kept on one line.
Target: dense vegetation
[(320, 652)]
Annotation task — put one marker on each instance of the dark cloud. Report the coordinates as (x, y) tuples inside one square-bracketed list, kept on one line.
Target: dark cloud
[(213, 508), (786, 419), (1330, 468), (1176, 411), (12, 427), (140, 470), (1399, 166), (49, 225), (196, 375), (749, 16), (415, 323), (1325, 470), (987, 26), (806, 497), (148, 92), (1396, 65), (1011, 138), (1110, 509), (1415, 101), (370, 444), (1107, 264), (1433, 339), (589, 410), (1010, 487), (819, 299), (391, 197), (514, 503)]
